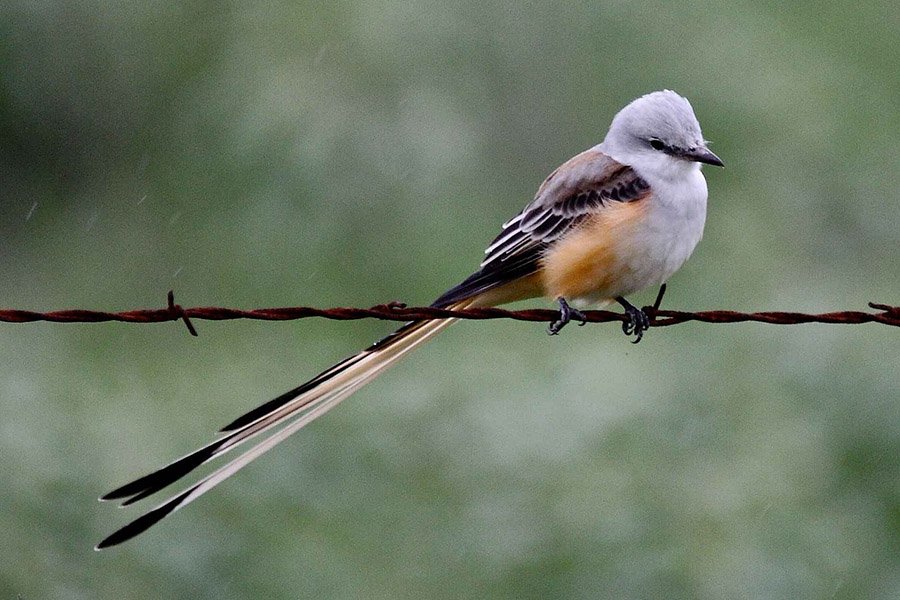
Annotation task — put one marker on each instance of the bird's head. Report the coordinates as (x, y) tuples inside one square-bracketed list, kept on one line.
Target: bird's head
[(658, 134)]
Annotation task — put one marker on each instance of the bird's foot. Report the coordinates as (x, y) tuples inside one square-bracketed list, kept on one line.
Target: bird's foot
[(637, 320), (566, 314)]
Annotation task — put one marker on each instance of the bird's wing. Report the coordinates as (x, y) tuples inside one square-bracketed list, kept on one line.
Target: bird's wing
[(579, 188)]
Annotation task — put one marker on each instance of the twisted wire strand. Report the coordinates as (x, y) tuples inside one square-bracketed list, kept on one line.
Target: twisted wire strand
[(395, 311)]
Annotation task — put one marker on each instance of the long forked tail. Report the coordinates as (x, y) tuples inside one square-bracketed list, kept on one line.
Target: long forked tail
[(285, 415)]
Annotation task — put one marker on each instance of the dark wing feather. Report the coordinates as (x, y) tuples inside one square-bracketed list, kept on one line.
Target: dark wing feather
[(577, 189)]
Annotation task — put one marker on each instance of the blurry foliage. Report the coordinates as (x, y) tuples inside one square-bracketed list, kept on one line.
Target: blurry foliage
[(358, 152)]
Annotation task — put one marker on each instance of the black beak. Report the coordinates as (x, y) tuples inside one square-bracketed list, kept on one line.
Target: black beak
[(703, 155)]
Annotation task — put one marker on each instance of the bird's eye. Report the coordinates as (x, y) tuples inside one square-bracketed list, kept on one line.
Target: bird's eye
[(657, 144)]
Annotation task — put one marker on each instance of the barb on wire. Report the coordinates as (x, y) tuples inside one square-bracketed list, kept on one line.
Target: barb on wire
[(179, 311), (397, 311)]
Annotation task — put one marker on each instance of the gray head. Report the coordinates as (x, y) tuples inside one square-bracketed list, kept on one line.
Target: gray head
[(660, 134)]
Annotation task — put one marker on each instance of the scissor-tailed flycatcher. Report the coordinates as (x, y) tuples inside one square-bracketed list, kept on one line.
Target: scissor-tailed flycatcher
[(613, 220)]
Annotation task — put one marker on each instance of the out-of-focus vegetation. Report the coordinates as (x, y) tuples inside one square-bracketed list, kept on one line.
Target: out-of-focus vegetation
[(351, 153)]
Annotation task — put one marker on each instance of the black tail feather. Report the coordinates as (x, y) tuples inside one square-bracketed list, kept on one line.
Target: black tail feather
[(145, 521), (165, 476)]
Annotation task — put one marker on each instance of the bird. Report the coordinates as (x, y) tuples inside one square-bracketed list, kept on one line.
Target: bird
[(617, 218)]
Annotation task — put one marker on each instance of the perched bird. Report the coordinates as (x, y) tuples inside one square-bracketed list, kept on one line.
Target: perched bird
[(617, 218)]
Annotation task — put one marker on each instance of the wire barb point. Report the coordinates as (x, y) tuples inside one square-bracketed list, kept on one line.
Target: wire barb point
[(178, 312)]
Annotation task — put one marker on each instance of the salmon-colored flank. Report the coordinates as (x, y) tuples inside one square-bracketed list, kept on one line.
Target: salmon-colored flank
[(588, 261), (517, 289)]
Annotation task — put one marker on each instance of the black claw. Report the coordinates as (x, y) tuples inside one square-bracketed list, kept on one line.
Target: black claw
[(566, 314), (637, 320)]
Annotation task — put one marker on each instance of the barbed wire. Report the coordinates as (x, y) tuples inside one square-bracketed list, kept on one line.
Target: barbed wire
[(397, 311)]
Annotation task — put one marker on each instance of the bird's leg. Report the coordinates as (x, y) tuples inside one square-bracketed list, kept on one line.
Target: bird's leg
[(638, 322), (566, 314), (659, 297)]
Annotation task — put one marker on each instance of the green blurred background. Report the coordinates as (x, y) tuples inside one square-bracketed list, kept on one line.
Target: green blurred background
[(353, 153)]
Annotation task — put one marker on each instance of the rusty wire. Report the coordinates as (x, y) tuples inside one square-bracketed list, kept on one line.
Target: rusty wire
[(396, 311)]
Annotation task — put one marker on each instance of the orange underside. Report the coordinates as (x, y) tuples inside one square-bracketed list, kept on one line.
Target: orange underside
[(587, 263)]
